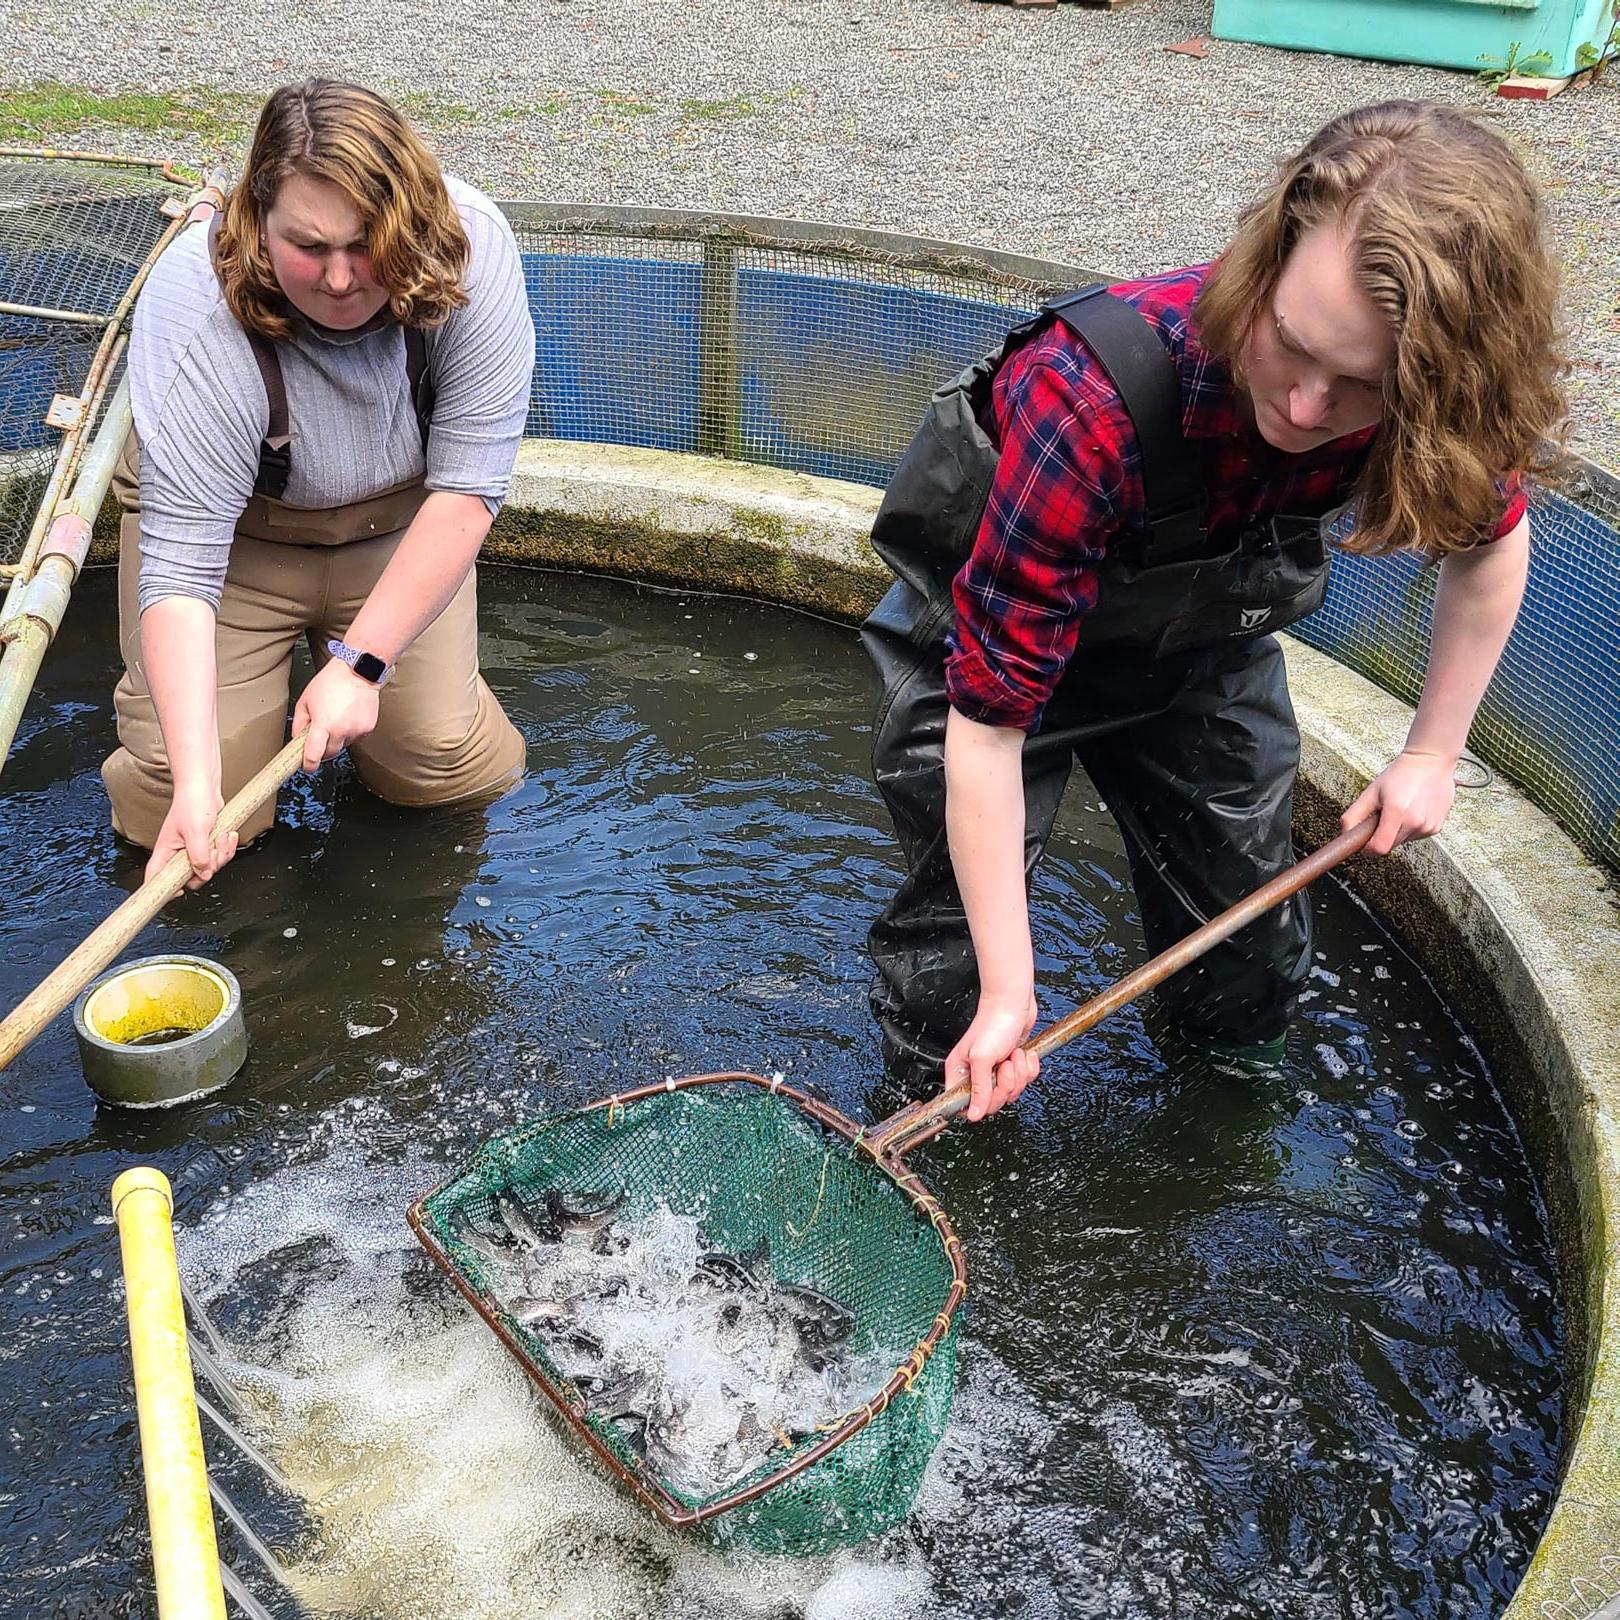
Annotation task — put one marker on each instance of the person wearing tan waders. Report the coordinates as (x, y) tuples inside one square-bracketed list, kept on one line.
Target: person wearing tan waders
[(1099, 526), (329, 389)]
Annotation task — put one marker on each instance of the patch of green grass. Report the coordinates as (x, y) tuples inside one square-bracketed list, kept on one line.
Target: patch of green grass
[(421, 105), (731, 107), (34, 112), (625, 104), (551, 107)]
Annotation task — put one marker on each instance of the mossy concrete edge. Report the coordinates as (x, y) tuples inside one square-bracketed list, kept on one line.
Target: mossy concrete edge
[(1524, 932), (1502, 907), (681, 519)]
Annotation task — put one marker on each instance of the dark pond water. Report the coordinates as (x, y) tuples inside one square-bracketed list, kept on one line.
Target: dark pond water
[(1234, 1348)]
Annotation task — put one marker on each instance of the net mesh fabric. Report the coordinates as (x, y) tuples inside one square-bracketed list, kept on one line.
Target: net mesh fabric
[(796, 357), (746, 1164)]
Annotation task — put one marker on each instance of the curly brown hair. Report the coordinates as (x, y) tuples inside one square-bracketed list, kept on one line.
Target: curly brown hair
[(351, 137), (1447, 239)]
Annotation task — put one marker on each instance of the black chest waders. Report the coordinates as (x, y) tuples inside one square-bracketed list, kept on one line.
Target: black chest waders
[(1174, 704)]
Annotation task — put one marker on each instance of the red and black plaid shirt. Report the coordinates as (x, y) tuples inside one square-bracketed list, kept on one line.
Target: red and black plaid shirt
[(1070, 484)]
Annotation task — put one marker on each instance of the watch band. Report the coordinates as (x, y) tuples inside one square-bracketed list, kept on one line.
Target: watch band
[(368, 666)]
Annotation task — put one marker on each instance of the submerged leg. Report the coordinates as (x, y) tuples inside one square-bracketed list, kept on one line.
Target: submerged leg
[(1204, 798)]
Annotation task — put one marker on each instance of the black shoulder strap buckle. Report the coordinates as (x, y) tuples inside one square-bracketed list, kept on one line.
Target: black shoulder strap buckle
[(1145, 376), (275, 453)]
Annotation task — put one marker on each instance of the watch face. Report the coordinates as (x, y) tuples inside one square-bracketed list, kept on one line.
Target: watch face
[(370, 667)]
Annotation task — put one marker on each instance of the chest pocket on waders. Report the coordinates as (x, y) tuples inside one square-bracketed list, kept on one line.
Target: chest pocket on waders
[(1276, 574)]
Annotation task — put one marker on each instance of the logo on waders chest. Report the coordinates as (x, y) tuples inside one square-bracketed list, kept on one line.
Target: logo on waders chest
[(1252, 618)]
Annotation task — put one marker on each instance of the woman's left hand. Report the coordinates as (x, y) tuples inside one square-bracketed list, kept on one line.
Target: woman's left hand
[(339, 708), (1412, 798)]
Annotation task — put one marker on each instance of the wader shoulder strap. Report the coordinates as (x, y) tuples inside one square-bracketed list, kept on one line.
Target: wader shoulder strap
[(420, 378), (1145, 377), (275, 452), (275, 459)]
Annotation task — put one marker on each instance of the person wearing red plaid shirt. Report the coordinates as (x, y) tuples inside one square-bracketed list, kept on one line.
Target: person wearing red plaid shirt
[(1098, 527)]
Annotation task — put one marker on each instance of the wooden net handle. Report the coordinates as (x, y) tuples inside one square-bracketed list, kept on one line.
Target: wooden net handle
[(919, 1121)]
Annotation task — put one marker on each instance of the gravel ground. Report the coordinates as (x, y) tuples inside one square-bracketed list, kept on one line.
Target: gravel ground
[(1067, 133)]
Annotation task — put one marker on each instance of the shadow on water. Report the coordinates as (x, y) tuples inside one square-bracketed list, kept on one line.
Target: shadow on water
[(1235, 1347)]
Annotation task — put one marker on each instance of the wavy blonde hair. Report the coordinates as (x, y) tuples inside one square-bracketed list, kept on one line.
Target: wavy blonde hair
[(1446, 231), (352, 138)]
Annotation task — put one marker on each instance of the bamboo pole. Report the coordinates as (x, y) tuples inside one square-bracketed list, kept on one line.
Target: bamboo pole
[(164, 166), (185, 1552), (44, 313)]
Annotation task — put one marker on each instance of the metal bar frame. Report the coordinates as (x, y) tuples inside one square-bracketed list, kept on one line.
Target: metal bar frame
[(1011, 270), (1575, 475), (40, 312), (167, 168)]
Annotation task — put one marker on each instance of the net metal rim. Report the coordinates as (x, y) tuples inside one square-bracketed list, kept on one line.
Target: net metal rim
[(646, 1486)]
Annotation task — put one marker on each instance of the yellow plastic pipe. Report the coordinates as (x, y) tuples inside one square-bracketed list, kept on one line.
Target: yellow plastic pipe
[(185, 1555)]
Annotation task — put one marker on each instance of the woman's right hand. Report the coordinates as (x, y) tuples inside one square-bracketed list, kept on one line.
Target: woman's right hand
[(991, 1057), (189, 825)]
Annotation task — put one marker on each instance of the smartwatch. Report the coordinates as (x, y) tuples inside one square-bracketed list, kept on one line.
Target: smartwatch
[(368, 666)]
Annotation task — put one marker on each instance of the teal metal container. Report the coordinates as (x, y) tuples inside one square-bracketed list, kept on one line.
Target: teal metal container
[(1468, 34)]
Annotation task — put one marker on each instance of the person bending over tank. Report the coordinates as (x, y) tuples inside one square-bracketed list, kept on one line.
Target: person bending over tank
[(329, 390), (1098, 527)]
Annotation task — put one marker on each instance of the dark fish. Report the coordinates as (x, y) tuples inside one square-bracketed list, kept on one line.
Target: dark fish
[(617, 1397), (607, 1242), (578, 1213), (633, 1426), (747, 1271), (821, 1322), (723, 1271), (666, 1429), (465, 1231), (602, 1286), (516, 1220), (578, 1339)]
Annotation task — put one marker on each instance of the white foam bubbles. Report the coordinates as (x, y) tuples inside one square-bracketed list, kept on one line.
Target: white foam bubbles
[(436, 1480)]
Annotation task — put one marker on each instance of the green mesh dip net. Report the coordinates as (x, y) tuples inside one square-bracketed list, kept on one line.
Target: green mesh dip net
[(747, 1159)]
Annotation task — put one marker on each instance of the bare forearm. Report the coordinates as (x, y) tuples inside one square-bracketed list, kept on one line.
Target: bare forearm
[(984, 819), (1475, 605), (422, 575), (177, 652)]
